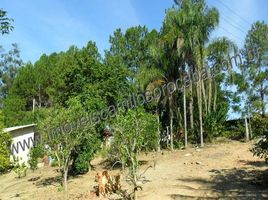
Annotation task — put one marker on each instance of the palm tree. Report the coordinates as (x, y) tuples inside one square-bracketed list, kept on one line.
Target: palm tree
[(194, 22)]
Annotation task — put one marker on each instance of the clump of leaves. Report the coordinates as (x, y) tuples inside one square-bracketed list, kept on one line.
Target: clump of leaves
[(260, 149)]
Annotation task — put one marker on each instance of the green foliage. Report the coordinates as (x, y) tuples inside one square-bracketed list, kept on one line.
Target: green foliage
[(178, 145), (35, 153), (213, 123), (259, 125), (16, 114), (5, 142), (62, 133), (19, 168), (13, 110), (234, 129), (84, 153), (57, 78), (134, 131), (5, 23), (255, 69), (9, 64), (260, 149), (60, 88)]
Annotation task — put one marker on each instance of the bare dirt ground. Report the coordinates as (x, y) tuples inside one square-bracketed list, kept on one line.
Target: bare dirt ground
[(218, 171)]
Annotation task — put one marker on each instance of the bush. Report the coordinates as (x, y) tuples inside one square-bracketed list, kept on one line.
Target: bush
[(234, 129), (133, 132), (259, 125), (260, 149), (35, 153), (84, 153), (5, 142), (213, 123)]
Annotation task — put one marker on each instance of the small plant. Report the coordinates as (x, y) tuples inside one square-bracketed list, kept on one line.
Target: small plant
[(19, 168)]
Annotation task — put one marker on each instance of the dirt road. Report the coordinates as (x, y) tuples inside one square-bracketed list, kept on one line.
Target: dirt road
[(218, 171)]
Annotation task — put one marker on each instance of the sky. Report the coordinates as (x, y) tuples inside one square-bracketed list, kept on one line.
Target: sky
[(54, 25)]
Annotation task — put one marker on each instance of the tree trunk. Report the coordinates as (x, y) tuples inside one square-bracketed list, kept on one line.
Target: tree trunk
[(158, 130), (65, 180), (135, 194), (247, 132), (209, 92), (65, 177), (171, 133), (199, 98), (262, 101), (204, 96), (185, 117), (215, 96), (40, 104), (191, 106), (171, 122), (33, 104), (250, 129), (167, 136)]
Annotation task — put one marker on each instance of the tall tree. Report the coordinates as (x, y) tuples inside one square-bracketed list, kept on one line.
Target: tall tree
[(9, 64), (186, 30), (5, 23), (256, 68)]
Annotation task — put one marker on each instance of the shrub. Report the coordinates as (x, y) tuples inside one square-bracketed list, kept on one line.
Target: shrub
[(133, 131), (35, 153), (213, 123), (260, 149), (234, 129), (84, 153), (5, 142), (259, 125), (137, 128)]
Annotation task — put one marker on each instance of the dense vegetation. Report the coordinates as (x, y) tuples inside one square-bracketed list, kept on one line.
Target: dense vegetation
[(180, 71)]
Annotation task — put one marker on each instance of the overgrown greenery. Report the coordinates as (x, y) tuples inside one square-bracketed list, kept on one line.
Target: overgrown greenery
[(66, 138), (35, 153), (5, 143), (260, 130), (84, 153), (260, 149), (133, 131)]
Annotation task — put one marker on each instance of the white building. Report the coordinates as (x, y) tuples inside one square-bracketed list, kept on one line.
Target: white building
[(23, 139)]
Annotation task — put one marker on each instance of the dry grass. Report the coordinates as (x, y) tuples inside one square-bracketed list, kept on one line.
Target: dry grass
[(223, 170)]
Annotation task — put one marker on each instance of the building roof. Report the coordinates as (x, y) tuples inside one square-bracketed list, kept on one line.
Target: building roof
[(10, 129)]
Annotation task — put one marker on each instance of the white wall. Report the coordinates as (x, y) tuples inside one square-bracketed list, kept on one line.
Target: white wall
[(23, 140)]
